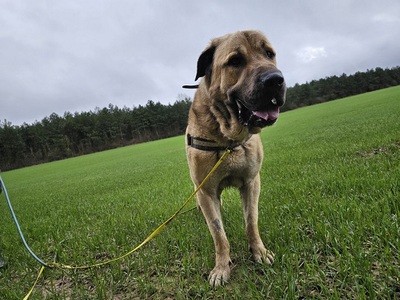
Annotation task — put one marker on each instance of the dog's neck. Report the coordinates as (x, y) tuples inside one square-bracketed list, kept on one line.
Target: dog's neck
[(209, 145), (215, 120)]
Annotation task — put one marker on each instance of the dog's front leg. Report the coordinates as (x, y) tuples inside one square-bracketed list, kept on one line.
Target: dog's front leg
[(250, 194), (211, 207)]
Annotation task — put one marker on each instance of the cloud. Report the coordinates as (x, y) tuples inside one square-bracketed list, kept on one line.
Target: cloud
[(386, 18), (308, 54)]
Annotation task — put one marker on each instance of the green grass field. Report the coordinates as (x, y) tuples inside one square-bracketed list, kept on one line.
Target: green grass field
[(329, 210)]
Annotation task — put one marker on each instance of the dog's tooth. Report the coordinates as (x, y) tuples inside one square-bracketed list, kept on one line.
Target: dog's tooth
[(274, 101)]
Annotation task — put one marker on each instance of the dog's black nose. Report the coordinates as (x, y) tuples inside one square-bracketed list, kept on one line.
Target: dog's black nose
[(272, 86), (272, 79)]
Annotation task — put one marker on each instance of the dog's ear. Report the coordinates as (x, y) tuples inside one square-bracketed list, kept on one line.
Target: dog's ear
[(204, 63)]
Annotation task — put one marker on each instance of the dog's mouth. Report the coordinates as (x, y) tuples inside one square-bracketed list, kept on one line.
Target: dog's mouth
[(258, 117)]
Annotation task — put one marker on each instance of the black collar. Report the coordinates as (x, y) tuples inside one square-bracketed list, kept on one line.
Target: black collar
[(208, 145)]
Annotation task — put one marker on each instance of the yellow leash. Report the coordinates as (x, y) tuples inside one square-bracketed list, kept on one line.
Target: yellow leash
[(145, 241), (34, 284)]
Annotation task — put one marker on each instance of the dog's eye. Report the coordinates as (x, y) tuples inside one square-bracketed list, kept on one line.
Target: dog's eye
[(236, 61), (269, 54)]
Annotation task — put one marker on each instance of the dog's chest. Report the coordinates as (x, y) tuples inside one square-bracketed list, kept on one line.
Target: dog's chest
[(241, 167)]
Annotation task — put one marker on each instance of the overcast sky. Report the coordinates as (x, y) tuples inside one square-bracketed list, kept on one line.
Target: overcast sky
[(75, 55)]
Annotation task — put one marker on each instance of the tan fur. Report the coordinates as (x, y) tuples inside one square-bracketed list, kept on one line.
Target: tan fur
[(214, 117)]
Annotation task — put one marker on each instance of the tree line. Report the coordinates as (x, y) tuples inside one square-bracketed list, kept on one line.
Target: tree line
[(336, 87), (58, 137)]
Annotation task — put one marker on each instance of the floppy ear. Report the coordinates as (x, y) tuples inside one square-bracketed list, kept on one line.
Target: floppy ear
[(204, 63)]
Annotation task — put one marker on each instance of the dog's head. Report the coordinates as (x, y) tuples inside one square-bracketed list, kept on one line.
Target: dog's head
[(240, 69)]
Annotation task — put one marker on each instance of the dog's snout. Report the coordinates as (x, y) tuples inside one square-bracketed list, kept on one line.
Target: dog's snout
[(272, 79), (271, 85)]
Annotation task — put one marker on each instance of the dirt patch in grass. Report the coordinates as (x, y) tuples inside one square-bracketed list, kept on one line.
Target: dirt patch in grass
[(390, 150)]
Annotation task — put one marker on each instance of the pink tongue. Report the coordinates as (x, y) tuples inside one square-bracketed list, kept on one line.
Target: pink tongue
[(271, 114)]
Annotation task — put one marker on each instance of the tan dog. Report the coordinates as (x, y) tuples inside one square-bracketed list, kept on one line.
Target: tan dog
[(240, 93)]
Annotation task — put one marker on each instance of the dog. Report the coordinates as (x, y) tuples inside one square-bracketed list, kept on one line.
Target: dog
[(240, 93)]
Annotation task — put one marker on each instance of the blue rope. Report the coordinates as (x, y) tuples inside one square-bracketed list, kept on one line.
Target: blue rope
[(3, 186)]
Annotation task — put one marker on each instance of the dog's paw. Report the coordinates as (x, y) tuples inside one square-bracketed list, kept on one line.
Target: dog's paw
[(219, 275), (268, 257), (262, 255)]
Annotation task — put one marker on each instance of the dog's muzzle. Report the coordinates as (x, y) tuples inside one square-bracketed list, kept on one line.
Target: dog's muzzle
[(262, 107)]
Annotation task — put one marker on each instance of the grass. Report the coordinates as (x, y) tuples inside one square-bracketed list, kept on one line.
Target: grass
[(329, 209)]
